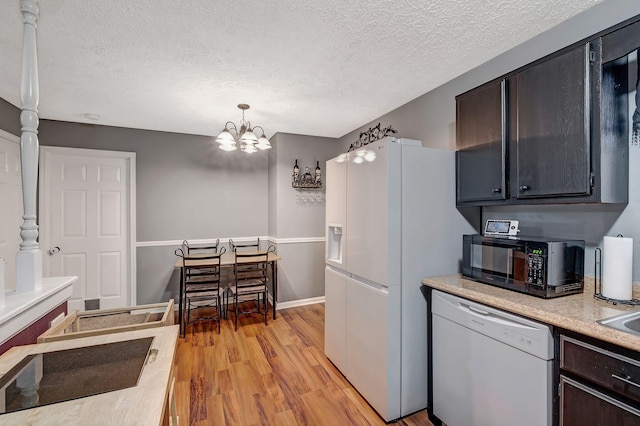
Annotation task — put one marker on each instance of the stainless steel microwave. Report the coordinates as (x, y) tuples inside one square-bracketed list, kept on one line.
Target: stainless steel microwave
[(542, 267)]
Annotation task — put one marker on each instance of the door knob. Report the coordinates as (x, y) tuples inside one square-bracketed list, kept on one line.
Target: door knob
[(496, 190), (524, 188), (54, 250)]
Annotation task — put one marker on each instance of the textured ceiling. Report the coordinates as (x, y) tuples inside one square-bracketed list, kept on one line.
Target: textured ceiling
[(316, 67)]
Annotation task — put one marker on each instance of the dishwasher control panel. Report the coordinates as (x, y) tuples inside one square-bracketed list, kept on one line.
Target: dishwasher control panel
[(522, 333)]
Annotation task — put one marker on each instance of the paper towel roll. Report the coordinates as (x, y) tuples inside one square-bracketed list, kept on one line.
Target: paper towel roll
[(617, 268)]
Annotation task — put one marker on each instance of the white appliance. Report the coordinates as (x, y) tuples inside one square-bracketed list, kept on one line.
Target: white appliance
[(490, 368), (391, 221)]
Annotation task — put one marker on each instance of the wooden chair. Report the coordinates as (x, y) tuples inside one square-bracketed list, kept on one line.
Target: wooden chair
[(247, 245), (250, 280), (201, 286)]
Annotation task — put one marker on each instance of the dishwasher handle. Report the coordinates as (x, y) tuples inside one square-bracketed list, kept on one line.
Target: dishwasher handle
[(477, 311), (495, 318)]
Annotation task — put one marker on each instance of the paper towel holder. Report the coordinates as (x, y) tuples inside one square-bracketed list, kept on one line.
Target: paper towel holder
[(597, 285)]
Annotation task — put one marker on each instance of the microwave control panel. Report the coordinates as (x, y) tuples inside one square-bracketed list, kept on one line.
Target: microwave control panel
[(535, 266)]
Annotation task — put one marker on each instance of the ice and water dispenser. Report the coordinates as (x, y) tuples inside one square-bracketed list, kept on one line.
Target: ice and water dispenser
[(334, 243)]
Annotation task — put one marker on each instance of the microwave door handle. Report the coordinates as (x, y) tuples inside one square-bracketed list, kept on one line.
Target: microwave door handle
[(510, 262)]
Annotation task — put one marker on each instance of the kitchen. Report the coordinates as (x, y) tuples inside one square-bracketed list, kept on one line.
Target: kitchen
[(429, 118)]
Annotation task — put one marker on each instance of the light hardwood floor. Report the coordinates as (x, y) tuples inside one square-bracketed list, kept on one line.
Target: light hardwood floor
[(267, 375)]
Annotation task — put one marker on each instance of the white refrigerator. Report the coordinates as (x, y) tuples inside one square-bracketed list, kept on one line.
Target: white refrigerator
[(391, 220)]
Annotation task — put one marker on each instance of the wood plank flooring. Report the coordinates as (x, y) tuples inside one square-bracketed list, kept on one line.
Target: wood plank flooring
[(267, 375)]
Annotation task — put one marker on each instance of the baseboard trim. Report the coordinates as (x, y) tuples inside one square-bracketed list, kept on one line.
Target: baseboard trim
[(282, 305), (299, 302)]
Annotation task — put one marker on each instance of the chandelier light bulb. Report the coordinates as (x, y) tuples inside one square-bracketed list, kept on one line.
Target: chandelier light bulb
[(228, 146), (249, 149), (230, 136), (249, 137), (225, 137), (263, 143)]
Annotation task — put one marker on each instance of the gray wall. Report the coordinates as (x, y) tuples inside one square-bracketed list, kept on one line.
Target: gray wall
[(187, 188), (9, 118), (589, 223), (298, 214), (174, 170), (431, 118), (295, 217)]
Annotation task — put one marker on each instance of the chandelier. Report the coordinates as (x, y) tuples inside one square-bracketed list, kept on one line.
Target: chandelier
[(231, 137)]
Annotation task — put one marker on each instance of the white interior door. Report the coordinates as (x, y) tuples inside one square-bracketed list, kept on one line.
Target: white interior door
[(10, 205), (87, 224)]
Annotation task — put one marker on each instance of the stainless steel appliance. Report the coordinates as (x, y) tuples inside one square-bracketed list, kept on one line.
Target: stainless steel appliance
[(490, 368), (543, 267)]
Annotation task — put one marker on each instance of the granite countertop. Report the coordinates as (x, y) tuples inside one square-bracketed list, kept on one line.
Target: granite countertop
[(578, 312)]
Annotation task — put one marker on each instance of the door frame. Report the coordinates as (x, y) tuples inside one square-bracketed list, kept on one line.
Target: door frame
[(44, 199), (11, 138)]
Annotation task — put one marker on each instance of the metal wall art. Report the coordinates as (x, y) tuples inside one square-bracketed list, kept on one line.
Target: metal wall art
[(306, 180), (371, 135)]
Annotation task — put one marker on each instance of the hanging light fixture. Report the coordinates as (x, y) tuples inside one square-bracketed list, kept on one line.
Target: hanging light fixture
[(231, 137)]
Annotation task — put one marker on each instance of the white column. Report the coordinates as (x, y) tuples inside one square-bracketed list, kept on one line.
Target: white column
[(29, 258), (29, 382)]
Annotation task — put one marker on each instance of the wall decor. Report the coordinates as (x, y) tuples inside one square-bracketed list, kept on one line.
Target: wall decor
[(371, 135), (306, 180)]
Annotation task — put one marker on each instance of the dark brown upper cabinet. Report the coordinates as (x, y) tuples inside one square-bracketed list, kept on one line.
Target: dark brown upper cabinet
[(481, 144), (551, 127), (552, 132)]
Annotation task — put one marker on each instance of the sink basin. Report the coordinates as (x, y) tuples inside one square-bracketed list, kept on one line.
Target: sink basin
[(628, 322)]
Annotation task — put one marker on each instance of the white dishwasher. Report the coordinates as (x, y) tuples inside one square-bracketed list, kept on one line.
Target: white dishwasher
[(490, 367)]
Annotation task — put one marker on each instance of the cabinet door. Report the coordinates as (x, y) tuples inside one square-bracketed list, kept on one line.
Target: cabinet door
[(581, 405), (481, 143), (552, 119)]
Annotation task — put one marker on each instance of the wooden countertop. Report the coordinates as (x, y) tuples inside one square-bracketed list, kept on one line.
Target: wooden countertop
[(142, 404), (578, 312)]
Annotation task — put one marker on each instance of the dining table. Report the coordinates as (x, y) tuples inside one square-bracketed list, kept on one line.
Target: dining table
[(227, 261)]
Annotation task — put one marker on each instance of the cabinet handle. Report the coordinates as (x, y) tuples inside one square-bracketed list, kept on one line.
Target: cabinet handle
[(524, 188), (496, 190), (626, 380)]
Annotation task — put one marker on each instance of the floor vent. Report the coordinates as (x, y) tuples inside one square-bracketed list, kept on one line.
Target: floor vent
[(91, 304)]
